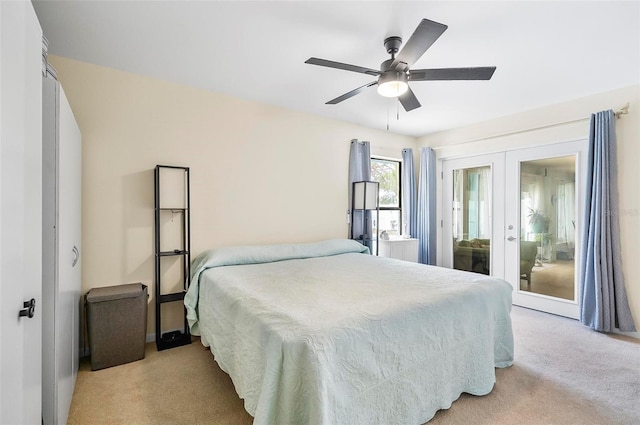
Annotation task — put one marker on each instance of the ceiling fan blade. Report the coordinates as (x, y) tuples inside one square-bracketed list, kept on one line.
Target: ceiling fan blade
[(477, 73), (351, 93), (422, 38), (409, 100), (344, 66)]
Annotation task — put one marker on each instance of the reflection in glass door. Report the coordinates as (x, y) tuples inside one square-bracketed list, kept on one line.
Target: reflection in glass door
[(471, 219), (547, 226), (473, 231)]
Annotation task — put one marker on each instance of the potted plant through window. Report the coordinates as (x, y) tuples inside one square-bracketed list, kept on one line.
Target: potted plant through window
[(538, 221)]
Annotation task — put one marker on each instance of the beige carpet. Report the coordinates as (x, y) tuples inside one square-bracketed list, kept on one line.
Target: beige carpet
[(564, 373)]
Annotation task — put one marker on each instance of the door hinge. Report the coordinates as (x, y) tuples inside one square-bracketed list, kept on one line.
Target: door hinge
[(441, 175), (441, 223)]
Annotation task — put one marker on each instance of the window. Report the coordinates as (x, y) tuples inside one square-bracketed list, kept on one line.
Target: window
[(387, 173)]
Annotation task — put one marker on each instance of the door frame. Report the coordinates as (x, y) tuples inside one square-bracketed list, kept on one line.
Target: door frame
[(559, 306)]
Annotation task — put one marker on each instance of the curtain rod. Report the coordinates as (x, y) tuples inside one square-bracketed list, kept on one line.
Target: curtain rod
[(622, 111)]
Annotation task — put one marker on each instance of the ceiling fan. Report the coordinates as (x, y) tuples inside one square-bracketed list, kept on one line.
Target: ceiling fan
[(395, 73)]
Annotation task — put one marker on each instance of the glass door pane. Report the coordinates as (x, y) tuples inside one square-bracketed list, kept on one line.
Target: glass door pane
[(473, 214), (547, 226), (471, 219)]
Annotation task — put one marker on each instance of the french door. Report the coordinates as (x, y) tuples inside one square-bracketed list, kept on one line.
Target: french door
[(517, 215), (473, 214)]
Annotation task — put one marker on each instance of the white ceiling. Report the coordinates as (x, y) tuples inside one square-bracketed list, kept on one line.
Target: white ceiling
[(545, 52)]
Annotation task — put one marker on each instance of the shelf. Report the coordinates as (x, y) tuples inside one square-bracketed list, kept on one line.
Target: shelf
[(178, 195), (172, 253), (173, 209), (176, 296)]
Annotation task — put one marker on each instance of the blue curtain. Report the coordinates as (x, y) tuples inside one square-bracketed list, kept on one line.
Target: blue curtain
[(426, 208), (603, 299), (359, 170), (409, 219)]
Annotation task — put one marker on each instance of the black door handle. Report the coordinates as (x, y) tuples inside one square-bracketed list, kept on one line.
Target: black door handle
[(29, 309)]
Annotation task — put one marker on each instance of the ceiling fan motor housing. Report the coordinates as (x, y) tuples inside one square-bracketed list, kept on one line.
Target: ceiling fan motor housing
[(386, 65), (392, 75), (393, 81)]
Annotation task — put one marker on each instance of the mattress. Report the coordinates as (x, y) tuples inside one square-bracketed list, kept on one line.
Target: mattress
[(327, 334)]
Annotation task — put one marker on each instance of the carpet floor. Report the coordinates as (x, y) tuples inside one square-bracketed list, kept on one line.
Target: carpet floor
[(564, 373)]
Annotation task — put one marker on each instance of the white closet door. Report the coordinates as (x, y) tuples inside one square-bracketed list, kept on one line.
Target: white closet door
[(69, 252), (20, 212), (62, 251)]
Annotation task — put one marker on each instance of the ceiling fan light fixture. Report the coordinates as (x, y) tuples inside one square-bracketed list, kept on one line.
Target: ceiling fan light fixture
[(392, 84)]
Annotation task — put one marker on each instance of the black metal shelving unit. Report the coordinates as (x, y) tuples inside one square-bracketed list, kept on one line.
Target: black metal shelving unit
[(174, 338), (362, 205)]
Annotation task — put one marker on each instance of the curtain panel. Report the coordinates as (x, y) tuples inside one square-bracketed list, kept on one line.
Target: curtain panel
[(603, 298), (359, 170), (409, 210), (426, 207)]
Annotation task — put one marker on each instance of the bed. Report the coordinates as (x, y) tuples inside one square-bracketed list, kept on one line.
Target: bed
[(323, 333)]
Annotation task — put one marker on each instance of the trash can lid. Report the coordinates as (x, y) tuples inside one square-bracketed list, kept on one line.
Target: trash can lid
[(118, 292)]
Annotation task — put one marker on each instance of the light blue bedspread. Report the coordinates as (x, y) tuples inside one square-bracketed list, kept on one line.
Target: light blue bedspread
[(337, 337)]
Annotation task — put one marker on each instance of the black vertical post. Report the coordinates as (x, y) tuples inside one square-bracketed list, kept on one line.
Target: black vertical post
[(157, 252), (187, 274)]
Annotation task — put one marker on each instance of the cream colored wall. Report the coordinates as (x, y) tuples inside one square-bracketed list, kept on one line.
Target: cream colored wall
[(249, 181), (259, 174), (466, 141)]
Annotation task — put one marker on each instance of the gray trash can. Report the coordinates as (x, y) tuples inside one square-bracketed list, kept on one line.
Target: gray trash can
[(117, 324)]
